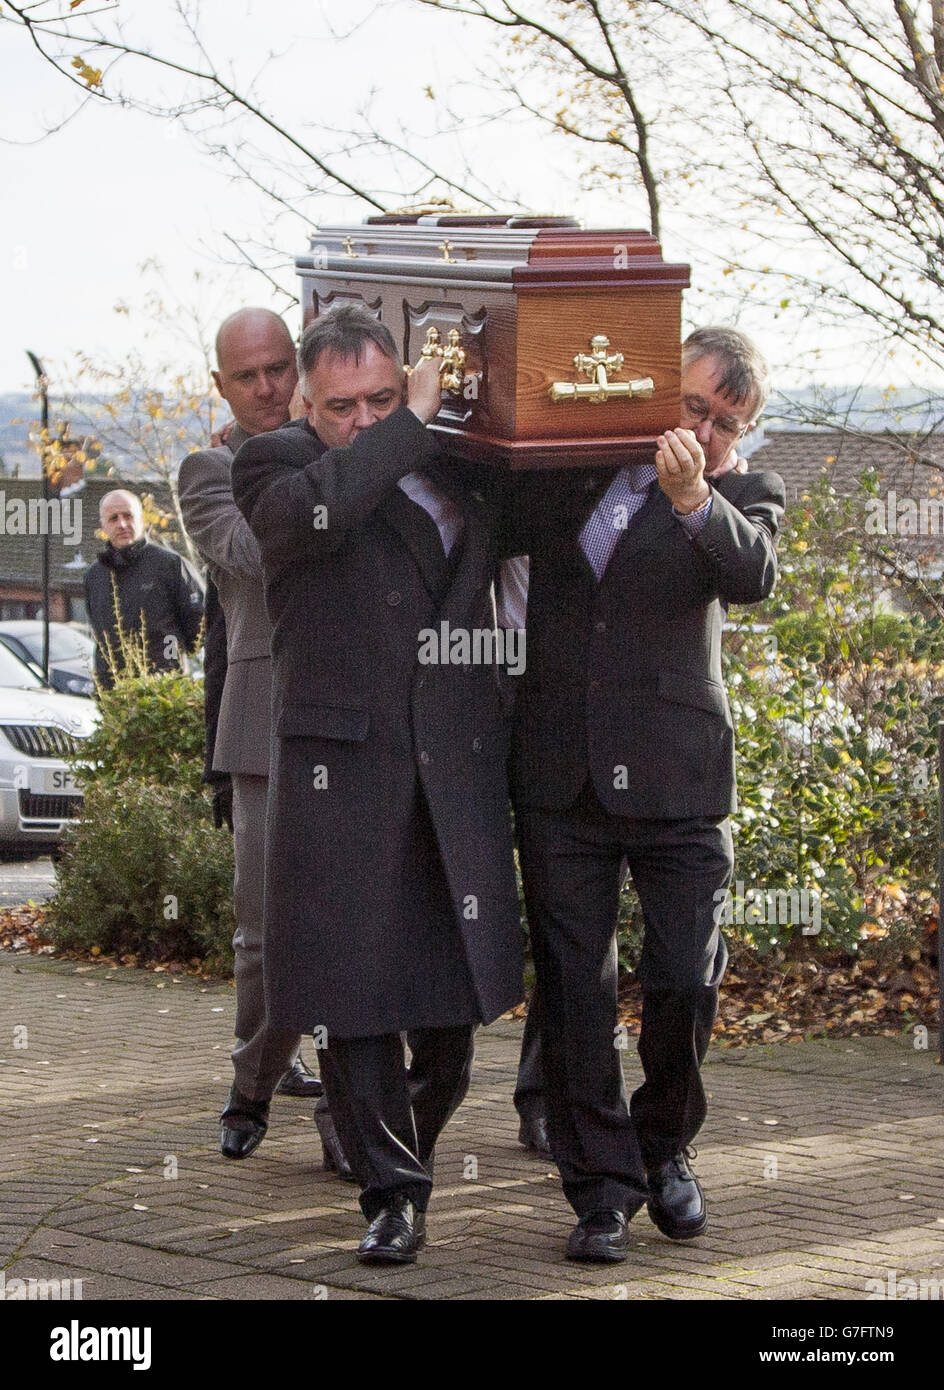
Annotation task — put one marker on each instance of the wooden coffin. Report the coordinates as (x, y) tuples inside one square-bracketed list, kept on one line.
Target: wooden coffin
[(571, 338)]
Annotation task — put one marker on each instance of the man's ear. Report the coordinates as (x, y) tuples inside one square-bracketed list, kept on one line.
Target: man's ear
[(218, 383)]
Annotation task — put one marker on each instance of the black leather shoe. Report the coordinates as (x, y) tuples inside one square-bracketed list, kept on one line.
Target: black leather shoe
[(242, 1125), (600, 1237), (394, 1236), (533, 1135), (299, 1081), (335, 1160), (676, 1202)]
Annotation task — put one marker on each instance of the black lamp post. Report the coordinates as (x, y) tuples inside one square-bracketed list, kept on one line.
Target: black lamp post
[(42, 384)]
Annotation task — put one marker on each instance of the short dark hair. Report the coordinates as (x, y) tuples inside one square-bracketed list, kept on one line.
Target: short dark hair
[(345, 332), (744, 373)]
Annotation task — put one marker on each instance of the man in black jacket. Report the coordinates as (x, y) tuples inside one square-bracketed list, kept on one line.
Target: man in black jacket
[(623, 751), (155, 591), (705, 353)]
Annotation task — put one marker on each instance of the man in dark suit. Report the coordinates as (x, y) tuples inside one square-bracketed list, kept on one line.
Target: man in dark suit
[(256, 375), (703, 351), (391, 904), (623, 750)]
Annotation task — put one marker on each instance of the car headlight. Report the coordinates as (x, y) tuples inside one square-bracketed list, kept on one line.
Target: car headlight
[(79, 686)]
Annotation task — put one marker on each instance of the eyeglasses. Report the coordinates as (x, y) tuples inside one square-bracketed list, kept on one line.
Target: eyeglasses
[(698, 409)]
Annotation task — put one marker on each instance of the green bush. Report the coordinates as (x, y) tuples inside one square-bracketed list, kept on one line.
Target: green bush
[(151, 731), (144, 872), (836, 699), (151, 726)]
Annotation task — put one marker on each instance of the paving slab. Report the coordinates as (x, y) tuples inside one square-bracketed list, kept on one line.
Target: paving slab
[(110, 1172)]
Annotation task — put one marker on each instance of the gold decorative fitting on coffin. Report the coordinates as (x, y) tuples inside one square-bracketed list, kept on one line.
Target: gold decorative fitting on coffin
[(598, 365), (452, 366), (349, 248), (433, 346)]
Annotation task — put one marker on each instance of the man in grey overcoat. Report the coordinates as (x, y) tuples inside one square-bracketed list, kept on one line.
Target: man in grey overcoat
[(256, 375), (391, 904)]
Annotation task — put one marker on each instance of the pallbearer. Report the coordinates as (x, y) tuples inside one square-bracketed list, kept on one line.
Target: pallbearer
[(391, 903), (624, 751)]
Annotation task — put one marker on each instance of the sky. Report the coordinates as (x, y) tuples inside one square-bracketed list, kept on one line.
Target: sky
[(85, 207)]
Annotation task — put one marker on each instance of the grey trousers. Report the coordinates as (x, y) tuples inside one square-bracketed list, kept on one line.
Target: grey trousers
[(262, 1054)]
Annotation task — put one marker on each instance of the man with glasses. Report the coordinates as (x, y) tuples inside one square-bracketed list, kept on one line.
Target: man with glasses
[(717, 365), (623, 753)]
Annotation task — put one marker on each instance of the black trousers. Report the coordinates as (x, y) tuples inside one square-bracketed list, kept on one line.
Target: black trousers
[(571, 864), (388, 1116), (530, 1097)]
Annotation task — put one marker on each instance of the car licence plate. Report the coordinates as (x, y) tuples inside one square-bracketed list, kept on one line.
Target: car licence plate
[(54, 781)]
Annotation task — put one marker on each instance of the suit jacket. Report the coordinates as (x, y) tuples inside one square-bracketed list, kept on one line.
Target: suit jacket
[(623, 679), (389, 855), (221, 534)]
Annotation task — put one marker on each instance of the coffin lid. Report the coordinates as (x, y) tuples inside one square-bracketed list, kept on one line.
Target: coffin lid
[(524, 253)]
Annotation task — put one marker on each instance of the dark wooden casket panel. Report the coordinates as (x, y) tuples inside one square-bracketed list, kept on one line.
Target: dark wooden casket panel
[(527, 296)]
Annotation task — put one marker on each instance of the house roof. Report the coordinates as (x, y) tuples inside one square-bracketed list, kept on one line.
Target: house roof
[(803, 456)]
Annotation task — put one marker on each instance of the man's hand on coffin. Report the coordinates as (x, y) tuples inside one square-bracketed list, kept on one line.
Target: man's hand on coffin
[(423, 392), (680, 464)]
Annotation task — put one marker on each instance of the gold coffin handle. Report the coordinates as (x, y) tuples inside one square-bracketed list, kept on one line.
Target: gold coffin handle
[(452, 358), (642, 388), (599, 365)]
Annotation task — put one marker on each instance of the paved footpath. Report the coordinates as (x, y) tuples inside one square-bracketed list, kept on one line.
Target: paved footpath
[(823, 1163), (25, 880)]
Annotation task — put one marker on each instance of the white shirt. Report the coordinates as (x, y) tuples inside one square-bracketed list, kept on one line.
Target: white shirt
[(447, 516)]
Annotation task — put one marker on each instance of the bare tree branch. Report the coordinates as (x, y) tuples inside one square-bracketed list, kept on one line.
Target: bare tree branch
[(222, 89), (615, 77), (260, 270)]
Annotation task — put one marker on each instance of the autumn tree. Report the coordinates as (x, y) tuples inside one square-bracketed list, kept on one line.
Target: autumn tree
[(815, 131), (583, 69), (235, 109), (792, 149), (839, 110)]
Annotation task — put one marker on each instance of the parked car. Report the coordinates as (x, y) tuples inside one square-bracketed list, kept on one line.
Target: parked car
[(71, 653), (39, 794)]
